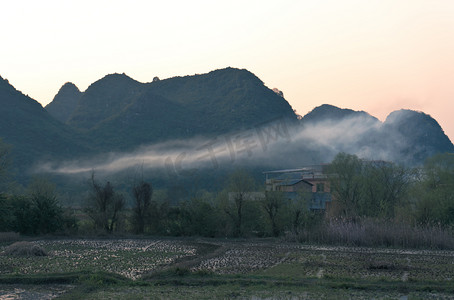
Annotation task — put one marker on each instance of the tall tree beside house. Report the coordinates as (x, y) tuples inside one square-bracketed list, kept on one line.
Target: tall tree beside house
[(104, 205), (345, 182), (300, 216), (362, 188), (273, 204), (385, 187), (240, 186), (433, 194)]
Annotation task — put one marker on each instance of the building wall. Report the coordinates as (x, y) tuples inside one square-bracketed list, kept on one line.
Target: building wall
[(317, 182)]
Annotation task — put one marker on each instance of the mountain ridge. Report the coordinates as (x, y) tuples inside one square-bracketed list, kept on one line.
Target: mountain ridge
[(205, 104), (227, 100), (119, 114)]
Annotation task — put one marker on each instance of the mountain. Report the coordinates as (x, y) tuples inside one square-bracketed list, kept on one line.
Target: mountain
[(332, 113), (65, 102), (406, 136), (104, 99), (418, 134), (120, 113), (33, 133)]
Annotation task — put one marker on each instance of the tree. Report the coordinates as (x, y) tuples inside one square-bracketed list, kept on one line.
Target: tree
[(6, 218), (142, 193), (46, 215), (240, 186), (203, 218), (385, 185), (104, 205), (299, 210), (272, 204), (5, 207), (4, 164), (434, 192), (362, 188), (345, 183), (22, 215)]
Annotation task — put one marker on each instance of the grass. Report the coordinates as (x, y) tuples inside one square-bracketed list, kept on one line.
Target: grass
[(204, 269), (377, 233), (9, 236)]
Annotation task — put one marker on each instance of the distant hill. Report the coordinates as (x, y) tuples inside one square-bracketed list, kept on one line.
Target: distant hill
[(406, 136), (418, 134)]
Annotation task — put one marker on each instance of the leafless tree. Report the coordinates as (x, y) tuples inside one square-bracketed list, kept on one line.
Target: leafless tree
[(142, 193), (105, 205)]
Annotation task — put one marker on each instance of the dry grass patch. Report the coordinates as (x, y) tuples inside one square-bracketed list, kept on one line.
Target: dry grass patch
[(9, 236), (24, 249)]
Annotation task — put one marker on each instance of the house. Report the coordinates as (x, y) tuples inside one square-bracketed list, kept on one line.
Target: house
[(310, 183)]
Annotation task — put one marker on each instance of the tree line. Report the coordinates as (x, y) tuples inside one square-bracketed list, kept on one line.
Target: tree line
[(372, 190), (388, 191)]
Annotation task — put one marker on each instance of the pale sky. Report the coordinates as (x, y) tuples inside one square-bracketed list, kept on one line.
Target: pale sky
[(374, 55)]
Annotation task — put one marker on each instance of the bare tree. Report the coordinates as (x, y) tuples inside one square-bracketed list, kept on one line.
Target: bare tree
[(272, 203), (142, 193), (105, 205), (240, 185)]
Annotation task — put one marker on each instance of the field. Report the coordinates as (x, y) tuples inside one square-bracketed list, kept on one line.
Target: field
[(164, 268)]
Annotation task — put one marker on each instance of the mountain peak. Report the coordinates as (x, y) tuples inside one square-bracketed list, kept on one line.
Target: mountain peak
[(65, 102), (113, 77), (103, 99), (112, 81), (419, 129), (405, 119), (240, 74), (333, 113), (402, 115), (69, 87)]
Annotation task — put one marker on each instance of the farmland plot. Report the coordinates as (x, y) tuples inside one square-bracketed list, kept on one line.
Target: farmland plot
[(218, 268), (128, 257)]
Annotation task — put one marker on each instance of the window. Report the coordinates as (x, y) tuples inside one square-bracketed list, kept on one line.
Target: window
[(320, 187)]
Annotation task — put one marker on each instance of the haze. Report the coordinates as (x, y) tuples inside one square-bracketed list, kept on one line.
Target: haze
[(376, 56)]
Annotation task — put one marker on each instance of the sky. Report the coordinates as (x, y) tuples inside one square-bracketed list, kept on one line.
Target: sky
[(375, 55)]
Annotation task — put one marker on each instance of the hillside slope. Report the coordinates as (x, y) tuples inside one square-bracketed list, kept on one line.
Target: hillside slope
[(34, 134)]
